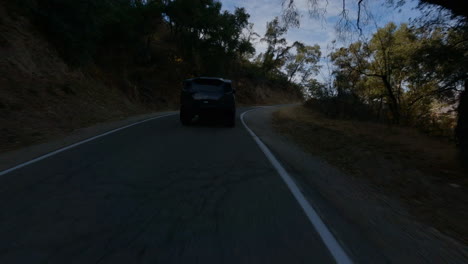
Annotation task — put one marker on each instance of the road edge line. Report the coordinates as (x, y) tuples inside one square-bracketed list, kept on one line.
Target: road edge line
[(338, 253), (50, 154)]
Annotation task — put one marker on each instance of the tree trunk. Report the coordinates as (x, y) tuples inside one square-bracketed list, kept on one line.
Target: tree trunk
[(461, 131), (394, 107), (290, 77), (379, 112)]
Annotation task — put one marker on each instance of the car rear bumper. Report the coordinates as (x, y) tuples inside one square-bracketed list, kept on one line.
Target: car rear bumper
[(206, 106)]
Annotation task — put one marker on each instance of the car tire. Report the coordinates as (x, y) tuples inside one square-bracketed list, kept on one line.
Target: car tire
[(185, 117)]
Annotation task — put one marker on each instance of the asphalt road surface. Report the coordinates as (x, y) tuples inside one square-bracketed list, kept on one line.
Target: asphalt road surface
[(156, 192)]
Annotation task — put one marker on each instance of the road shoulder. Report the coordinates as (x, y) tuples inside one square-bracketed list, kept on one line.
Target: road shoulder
[(13, 158), (373, 227)]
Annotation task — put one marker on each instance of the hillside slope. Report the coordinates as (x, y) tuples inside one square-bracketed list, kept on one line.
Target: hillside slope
[(40, 96)]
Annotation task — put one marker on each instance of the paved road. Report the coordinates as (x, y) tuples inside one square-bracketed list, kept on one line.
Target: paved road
[(157, 192)]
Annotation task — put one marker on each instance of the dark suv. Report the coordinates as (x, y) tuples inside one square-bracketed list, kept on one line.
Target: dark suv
[(206, 95)]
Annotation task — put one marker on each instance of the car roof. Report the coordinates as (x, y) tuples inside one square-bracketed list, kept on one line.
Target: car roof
[(209, 78)]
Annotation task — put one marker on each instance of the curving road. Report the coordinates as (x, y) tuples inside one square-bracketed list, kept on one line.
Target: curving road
[(156, 192)]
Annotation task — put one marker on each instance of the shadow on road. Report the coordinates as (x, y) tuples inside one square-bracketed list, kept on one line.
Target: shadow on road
[(214, 121)]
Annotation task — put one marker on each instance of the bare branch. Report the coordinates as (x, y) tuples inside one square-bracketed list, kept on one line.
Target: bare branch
[(359, 16)]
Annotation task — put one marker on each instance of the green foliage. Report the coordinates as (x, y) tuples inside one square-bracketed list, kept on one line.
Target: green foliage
[(304, 63), (72, 26), (316, 89), (182, 38), (414, 68), (277, 47), (209, 38), (79, 28), (401, 69)]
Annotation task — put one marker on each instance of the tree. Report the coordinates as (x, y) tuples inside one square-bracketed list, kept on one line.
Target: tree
[(315, 89), (246, 49), (277, 47), (462, 128), (291, 15), (304, 63), (209, 38), (373, 59), (79, 28), (393, 66), (457, 9)]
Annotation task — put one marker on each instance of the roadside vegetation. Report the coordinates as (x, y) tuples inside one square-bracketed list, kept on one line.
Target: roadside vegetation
[(420, 171), (410, 75), (393, 112), (140, 42), (69, 64)]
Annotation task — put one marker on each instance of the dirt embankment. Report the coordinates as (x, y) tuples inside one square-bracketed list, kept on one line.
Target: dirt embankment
[(422, 172), (251, 93), (40, 96)]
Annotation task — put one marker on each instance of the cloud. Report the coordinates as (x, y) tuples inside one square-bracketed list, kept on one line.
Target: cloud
[(321, 30)]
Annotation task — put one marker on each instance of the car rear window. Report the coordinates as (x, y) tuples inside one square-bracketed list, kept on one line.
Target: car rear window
[(210, 85)]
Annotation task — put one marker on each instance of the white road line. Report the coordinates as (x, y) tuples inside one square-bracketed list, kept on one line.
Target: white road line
[(328, 239), (77, 144)]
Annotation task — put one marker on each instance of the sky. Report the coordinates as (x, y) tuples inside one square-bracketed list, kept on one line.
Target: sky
[(319, 31)]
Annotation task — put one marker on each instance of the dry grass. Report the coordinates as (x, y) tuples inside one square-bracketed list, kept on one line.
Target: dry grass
[(249, 93), (421, 171)]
